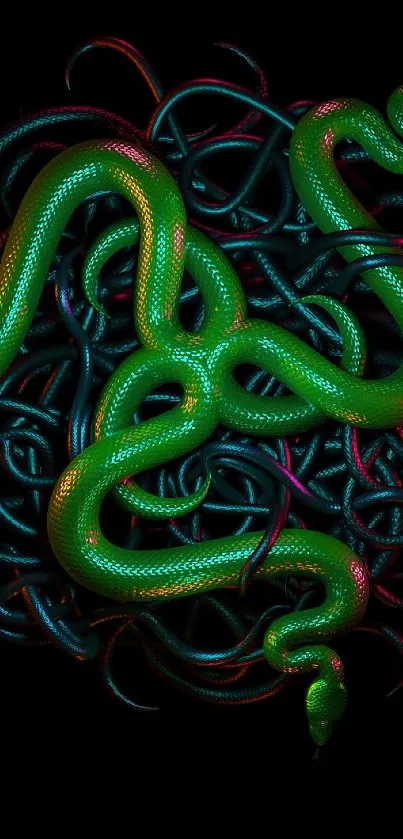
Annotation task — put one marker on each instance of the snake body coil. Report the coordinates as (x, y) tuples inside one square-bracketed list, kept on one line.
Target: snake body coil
[(203, 364)]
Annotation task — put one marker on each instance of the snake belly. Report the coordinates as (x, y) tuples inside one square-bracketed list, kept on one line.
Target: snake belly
[(203, 365)]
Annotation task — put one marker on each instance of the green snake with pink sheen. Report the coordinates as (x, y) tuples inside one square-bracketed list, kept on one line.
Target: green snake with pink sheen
[(203, 364)]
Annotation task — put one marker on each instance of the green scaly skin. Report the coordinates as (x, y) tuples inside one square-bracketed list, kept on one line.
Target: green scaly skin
[(203, 364)]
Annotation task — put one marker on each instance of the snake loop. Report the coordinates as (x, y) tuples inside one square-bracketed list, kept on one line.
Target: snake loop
[(202, 363), (333, 207)]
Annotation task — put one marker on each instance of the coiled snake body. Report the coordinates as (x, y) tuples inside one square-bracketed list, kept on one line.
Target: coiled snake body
[(203, 364)]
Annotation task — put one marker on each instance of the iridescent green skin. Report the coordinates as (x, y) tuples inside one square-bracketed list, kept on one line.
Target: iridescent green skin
[(370, 404), (203, 364)]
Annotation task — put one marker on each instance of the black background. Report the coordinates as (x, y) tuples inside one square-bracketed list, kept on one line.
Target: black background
[(58, 700)]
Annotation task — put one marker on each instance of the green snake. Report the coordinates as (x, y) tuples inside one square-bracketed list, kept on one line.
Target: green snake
[(203, 364)]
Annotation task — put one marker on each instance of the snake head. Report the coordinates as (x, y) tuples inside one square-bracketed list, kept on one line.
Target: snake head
[(326, 702)]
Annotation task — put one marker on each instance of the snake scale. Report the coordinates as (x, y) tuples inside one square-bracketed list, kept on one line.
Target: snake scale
[(203, 365)]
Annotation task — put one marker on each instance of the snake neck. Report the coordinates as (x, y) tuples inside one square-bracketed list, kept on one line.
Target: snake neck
[(288, 643)]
